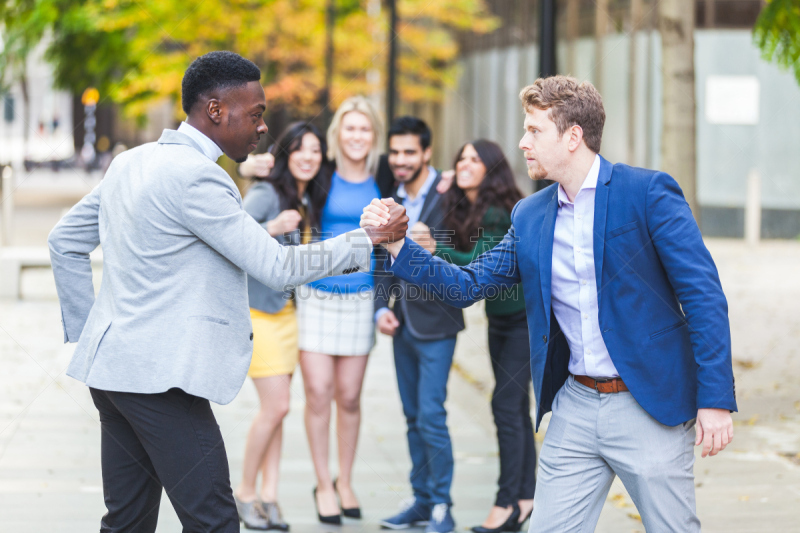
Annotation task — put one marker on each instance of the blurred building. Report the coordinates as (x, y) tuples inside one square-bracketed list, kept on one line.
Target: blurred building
[(40, 126), (46, 128), (748, 115)]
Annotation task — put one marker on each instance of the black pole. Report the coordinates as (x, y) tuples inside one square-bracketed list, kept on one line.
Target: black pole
[(547, 39), (391, 77), (330, 20)]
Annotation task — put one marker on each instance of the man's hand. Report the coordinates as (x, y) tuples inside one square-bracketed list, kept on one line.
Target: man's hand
[(388, 323), (421, 234), (714, 430), (385, 221), (285, 222), (446, 181), (257, 166), (376, 213)]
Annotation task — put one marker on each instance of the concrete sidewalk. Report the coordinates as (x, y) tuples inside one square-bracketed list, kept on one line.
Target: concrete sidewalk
[(50, 456), (50, 441)]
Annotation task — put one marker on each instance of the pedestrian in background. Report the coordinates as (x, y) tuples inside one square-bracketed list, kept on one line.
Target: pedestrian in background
[(287, 201), (478, 209), (335, 317)]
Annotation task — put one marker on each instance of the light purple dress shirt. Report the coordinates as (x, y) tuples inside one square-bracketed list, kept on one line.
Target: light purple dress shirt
[(574, 285)]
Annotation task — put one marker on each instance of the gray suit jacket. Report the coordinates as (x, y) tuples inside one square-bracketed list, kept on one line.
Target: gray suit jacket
[(172, 310), (263, 204)]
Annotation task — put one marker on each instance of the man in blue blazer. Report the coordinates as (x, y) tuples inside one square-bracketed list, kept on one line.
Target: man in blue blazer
[(630, 340)]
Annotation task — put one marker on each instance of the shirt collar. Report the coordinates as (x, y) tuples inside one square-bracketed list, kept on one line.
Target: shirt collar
[(423, 191), (589, 183), (208, 147)]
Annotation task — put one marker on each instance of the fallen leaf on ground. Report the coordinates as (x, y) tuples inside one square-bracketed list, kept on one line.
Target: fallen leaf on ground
[(619, 501)]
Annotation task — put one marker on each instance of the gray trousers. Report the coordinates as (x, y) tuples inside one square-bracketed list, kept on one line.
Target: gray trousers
[(591, 438)]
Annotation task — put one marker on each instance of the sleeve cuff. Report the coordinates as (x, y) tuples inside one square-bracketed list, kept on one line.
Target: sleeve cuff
[(366, 236), (380, 312)]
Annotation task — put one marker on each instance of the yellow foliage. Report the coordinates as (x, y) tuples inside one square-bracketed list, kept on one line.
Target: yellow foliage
[(287, 39)]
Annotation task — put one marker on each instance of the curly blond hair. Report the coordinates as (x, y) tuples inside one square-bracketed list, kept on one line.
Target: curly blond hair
[(570, 103)]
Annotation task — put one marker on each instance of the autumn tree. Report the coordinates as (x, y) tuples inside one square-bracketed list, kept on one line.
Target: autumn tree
[(137, 50)]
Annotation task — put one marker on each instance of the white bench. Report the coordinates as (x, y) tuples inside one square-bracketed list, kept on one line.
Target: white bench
[(14, 258)]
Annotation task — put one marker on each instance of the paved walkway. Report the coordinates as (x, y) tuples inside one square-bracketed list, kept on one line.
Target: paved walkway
[(49, 435)]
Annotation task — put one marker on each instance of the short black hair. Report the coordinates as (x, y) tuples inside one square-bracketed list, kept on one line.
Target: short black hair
[(215, 70), (411, 125)]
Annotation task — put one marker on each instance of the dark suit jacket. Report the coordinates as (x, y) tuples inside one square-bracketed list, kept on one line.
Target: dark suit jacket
[(384, 177), (426, 317)]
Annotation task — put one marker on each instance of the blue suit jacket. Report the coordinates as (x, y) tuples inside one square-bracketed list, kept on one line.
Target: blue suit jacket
[(662, 313)]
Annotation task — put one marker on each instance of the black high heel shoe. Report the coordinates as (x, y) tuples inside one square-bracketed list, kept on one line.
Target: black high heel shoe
[(505, 526), (352, 512), (520, 523), (334, 519)]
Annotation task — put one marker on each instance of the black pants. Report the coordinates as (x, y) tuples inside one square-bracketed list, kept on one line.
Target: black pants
[(511, 362), (168, 440)]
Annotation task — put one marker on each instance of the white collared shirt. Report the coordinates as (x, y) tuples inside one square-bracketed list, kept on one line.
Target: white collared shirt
[(208, 147), (574, 284), (414, 207)]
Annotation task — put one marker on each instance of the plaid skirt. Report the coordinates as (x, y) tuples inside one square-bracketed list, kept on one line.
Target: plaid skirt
[(334, 323)]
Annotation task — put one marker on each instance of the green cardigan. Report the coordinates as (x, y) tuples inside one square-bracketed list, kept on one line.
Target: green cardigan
[(496, 223)]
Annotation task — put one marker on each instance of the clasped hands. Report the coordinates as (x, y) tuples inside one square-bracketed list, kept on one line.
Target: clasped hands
[(379, 213), (385, 222)]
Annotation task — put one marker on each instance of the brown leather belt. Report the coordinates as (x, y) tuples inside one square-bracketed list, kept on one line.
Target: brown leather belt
[(604, 386)]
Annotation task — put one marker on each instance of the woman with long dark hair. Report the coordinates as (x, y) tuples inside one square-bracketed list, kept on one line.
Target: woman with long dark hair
[(288, 203), (478, 207)]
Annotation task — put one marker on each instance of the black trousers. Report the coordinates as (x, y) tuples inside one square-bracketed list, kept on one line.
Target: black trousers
[(169, 440), (509, 349)]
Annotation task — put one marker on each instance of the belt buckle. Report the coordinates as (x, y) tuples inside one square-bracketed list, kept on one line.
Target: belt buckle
[(598, 381)]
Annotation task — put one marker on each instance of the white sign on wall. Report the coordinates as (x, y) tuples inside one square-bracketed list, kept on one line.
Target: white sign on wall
[(732, 100)]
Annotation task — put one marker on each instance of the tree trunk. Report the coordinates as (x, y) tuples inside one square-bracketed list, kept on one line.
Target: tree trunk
[(678, 148), (601, 18), (330, 21), (635, 23)]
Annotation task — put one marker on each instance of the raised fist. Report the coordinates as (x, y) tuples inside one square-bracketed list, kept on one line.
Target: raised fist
[(257, 166), (287, 221)]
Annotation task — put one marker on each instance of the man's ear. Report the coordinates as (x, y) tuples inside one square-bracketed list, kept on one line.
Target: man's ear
[(214, 110), (575, 137), (426, 155)]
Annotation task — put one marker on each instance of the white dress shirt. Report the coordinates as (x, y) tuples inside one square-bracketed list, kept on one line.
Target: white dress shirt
[(414, 207), (209, 147), (574, 285)]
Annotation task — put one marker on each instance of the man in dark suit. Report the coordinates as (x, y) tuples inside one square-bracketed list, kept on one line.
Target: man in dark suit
[(424, 336), (629, 332)]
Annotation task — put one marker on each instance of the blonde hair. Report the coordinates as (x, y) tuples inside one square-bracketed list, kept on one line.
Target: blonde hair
[(365, 107), (570, 103)]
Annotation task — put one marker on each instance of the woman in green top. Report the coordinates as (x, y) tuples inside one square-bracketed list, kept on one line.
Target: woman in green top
[(478, 207)]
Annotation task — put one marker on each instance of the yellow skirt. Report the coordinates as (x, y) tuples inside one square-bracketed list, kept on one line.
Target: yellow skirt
[(275, 350)]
